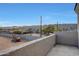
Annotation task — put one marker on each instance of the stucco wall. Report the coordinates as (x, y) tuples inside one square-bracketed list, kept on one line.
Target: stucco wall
[(67, 38), (39, 47)]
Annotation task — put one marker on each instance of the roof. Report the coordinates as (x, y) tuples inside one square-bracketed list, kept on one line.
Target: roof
[(75, 6)]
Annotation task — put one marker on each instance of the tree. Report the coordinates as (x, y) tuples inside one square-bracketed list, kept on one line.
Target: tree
[(49, 29), (57, 29), (30, 30), (1, 29), (37, 31)]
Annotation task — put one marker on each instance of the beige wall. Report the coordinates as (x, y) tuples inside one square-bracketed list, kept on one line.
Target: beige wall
[(67, 38), (37, 47)]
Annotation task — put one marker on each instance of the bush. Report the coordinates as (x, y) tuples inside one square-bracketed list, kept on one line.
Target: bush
[(17, 32), (24, 32)]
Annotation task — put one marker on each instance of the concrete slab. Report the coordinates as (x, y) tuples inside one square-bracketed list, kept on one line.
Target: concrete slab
[(62, 50)]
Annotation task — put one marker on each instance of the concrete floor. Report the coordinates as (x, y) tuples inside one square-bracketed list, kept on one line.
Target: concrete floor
[(62, 50)]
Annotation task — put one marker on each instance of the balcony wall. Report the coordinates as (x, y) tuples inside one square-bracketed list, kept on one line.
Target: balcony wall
[(67, 38), (39, 47)]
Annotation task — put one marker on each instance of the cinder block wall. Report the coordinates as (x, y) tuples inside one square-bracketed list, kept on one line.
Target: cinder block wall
[(67, 38), (39, 47)]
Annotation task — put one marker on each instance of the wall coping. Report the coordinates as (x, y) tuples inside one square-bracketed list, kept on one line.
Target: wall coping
[(8, 50)]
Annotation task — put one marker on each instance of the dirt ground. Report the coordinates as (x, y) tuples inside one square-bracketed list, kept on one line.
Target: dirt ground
[(7, 43)]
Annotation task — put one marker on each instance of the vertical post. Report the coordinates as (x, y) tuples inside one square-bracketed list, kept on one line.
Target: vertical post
[(40, 26), (57, 25), (77, 12), (78, 28)]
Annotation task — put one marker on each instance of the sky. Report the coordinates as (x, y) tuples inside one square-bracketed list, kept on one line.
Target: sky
[(26, 14)]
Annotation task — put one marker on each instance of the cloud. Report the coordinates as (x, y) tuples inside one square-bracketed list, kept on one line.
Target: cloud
[(5, 23), (9, 23)]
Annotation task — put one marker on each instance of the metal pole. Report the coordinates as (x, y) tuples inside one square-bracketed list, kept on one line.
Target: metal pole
[(57, 25), (40, 26)]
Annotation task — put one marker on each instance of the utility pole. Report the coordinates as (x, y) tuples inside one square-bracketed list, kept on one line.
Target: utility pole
[(57, 25), (40, 26)]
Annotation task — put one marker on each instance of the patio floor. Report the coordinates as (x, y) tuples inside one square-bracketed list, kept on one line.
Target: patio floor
[(63, 50)]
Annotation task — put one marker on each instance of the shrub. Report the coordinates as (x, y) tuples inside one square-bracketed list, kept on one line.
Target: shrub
[(24, 32), (17, 32)]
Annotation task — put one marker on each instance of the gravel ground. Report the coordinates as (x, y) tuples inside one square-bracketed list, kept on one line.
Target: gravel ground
[(7, 43)]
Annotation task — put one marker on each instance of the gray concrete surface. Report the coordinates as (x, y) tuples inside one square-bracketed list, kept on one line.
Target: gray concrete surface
[(67, 38), (63, 50)]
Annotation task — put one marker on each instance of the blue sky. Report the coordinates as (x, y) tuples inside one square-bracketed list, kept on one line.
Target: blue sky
[(29, 14)]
